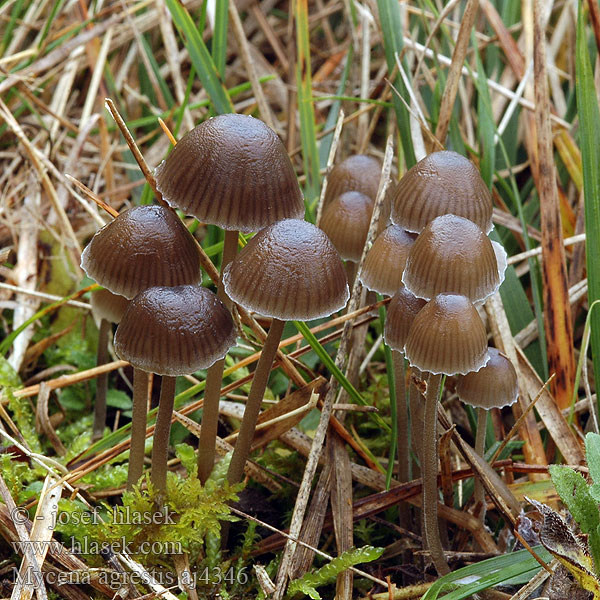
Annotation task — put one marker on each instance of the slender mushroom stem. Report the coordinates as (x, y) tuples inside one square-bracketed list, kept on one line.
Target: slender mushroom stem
[(138, 427), (101, 381), (429, 471), (403, 438), (214, 378), (255, 398), (160, 445), (479, 493)]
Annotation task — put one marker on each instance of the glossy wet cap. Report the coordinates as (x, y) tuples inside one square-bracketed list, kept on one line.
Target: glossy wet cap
[(401, 312), (443, 182), (174, 330), (493, 386), (452, 255), (385, 261), (108, 306), (447, 336), (289, 270), (232, 171), (346, 222), (358, 172), (143, 247)]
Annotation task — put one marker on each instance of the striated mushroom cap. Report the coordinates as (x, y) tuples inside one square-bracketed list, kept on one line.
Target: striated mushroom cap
[(443, 182), (385, 261), (452, 255), (108, 306), (401, 312), (289, 270), (346, 222), (143, 247), (493, 386), (174, 330), (358, 172), (232, 171), (447, 336)]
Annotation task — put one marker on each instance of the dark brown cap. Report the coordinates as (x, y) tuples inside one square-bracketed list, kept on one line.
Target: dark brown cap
[(385, 261), (358, 172), (493, 386), (108, 306), (452, 255), (174, 330), (346, 222), (288, 271), (443, 182), (447, 336), (142, 247), (401, 312), (231, 171)]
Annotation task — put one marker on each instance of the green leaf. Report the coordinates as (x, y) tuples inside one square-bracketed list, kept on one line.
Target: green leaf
[(118, 399), (592, 454)]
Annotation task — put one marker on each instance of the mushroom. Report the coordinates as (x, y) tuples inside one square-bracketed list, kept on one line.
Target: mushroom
[(232, 171), (443, 182), (447, 337), (289, 270), (107, 308), (171, 331)]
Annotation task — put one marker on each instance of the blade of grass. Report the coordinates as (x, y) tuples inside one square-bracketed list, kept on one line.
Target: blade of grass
[(219, 41)]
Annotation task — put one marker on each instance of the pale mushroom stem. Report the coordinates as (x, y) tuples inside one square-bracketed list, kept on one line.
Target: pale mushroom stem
[(255, 398), (402, 419), (160, 444), (138, 427), (101, 381), (479, 492), (429, 472), (214, 379)]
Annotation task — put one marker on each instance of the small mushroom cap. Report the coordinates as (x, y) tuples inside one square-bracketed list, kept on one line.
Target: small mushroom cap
[(174, 330), (108, 306), (385, 261), (232, 171), (452, 255), (447, 336), (401, 312), (358, 172), (493, 386), (143, 247), (346, 222), (443, 182), (288, 271)]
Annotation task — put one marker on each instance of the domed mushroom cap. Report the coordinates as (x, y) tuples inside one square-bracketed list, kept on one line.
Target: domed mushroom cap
[(289, 270), (358, 172), (493, 386), (143, 247), (452, 255), (443, 182), (109, 306), (401, 312), (232, 171), (385, 261), (174, 330), (346, 222), (447, 336)]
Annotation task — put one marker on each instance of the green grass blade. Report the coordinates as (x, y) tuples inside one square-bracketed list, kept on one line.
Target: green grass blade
[(219, 41)]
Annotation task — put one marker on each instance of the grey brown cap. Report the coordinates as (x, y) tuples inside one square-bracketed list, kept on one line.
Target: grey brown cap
[(385, 261), (447, 336), (174, 330), (288, 271), (232, 171), (108, 306), (346, 222), (142, 247), (443, 182), (358, 172), (452, 255), (401, 312), (493, 386)]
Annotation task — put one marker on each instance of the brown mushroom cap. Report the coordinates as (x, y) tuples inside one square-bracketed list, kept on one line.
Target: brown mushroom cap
[(452, 255), (174, 330), (232, 171), (108, 306), (493, 386), (401, 312), (385, 261), (346, 222), (447, 336), (143, 247), (289, 270), (358, 172), (443, 182)]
